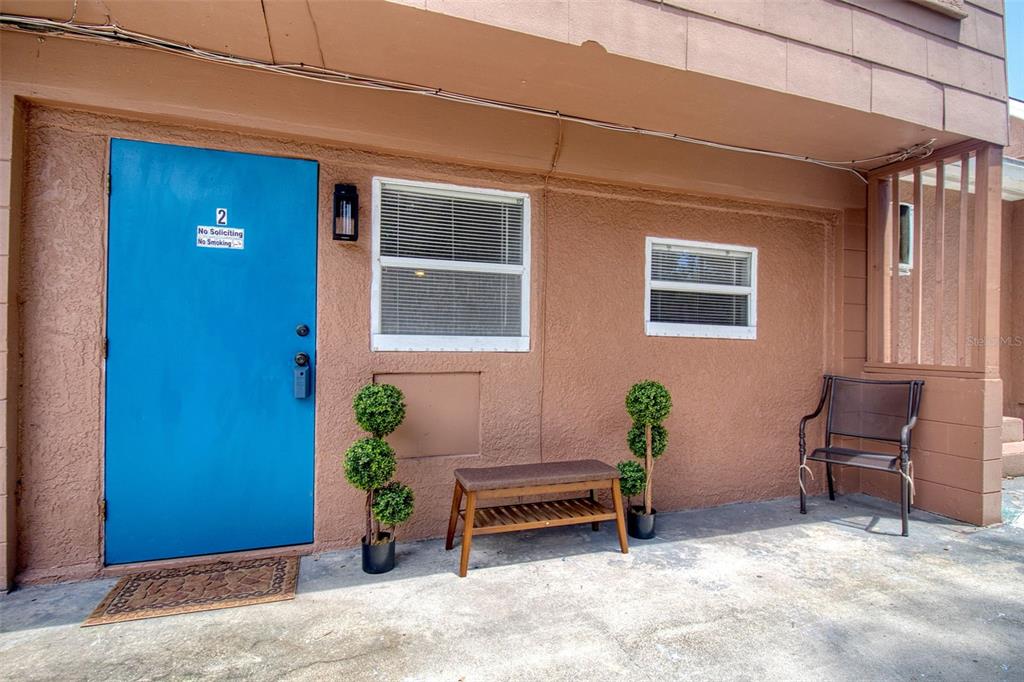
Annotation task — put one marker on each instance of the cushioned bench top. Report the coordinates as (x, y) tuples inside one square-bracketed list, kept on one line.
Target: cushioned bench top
[(541, 473)]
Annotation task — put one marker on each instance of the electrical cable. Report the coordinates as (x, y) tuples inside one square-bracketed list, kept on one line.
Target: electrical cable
[(111, 32)]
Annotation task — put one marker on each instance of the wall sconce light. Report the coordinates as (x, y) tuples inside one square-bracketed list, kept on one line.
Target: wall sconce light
[(346, 213)]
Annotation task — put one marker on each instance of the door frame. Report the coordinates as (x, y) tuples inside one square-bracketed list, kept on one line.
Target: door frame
[(282, 550)]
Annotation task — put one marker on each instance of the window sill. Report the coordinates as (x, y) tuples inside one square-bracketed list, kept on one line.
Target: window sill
[(701, 331), (445, 344)]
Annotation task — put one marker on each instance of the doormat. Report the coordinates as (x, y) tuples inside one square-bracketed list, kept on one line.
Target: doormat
[(202, 587)]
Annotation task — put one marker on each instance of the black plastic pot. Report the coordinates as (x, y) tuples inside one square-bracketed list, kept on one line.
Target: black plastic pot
[(640, 525), (379, 558)]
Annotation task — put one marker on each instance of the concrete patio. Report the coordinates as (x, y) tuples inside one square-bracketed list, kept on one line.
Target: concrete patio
[(746, 591)]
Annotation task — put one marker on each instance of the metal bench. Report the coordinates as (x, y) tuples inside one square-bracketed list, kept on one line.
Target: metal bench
[(520, 480), (881, 411)]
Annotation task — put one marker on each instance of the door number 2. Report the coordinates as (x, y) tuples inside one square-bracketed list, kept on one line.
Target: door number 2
[(222, 216)]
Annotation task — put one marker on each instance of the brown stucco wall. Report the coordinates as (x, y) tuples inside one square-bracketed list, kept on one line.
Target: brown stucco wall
[(1011, 359), (168, 89), (736, 402), (1006, 308), (12, 148), (165, 88), (1011, 347), (1015, 146), (813, 112), (956, 444)]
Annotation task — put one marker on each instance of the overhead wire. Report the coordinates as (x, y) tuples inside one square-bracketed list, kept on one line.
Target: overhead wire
[(111, 32)]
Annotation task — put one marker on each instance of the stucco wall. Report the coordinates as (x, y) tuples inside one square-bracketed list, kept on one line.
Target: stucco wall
[(1011, 360), (857, 89), (12, 140), (1015, 146), (736, 402), (956, 450), (1011, 356), (59, 342)]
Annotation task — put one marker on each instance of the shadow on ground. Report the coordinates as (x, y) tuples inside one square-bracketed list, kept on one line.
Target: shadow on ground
[(751, 591), (751, 523)]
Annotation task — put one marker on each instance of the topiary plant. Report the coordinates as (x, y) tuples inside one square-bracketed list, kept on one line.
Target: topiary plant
[(392, 504), (648, 402), (370, 462), (379, 408), (637, 440), (632, 479)]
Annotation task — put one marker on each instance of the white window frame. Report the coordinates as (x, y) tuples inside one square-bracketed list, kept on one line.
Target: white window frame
[(708, 331), (415, 342), (906, 267)]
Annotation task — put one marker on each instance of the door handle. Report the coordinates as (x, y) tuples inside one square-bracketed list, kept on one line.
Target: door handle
[(303, 376)]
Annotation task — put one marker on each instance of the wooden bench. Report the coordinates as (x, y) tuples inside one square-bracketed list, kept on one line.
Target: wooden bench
[(519, 480)]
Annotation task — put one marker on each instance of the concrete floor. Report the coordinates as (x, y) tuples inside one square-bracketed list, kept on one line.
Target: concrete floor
[(747, 591)]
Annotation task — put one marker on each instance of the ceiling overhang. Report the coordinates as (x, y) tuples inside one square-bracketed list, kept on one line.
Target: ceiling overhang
[(390, 41)]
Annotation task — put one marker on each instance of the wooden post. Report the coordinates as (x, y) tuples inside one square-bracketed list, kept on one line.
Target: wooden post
[(620, 517), (894, 274), (916, 268), (940, 262), (649, 464), (988, 183), (453, 520), (880, 229), (961, 277), (467, 532)]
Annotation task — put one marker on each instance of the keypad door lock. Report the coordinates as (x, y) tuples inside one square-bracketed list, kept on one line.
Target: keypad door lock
[(303, 376)]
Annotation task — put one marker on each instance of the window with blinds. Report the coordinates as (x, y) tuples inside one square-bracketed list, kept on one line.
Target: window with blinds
[(700, 289), (451, 268)]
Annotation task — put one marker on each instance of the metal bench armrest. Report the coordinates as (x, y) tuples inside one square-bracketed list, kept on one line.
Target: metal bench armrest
[(909, 426), (803, 422), (905, 437)]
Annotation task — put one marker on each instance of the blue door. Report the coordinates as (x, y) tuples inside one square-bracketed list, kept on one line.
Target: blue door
[(211, 278)]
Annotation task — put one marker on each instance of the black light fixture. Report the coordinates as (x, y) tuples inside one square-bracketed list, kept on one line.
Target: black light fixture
[(346, 213)]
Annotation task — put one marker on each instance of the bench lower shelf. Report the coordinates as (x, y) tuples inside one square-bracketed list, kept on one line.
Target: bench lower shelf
[(530, 515), (506, 518)]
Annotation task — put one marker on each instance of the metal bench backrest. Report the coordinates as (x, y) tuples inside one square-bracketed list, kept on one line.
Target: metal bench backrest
[(876, 410)]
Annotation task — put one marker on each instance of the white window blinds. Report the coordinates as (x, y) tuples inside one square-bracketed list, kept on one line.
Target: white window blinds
[(451, 268), (698, 289)]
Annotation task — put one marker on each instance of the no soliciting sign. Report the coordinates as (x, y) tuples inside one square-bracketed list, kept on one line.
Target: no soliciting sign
[(220, 237)]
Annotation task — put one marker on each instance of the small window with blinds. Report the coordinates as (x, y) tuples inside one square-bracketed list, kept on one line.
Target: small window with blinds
[(451, 268), (701, 289)]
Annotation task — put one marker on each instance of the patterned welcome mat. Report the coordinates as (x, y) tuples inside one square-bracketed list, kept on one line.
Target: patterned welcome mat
[(202, 587)]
